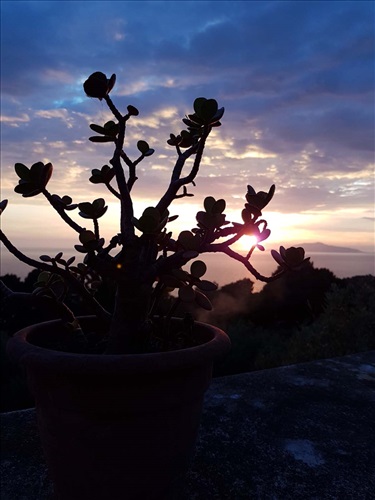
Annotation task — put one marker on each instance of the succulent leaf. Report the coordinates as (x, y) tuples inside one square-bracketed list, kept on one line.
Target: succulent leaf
[(132, 110), (98, 204), (153, 213), (290, 258), (218, 116), (70, 261), (111, 128), (111, 83), (208, 109), (45, 258), (96, 179), (208, 203), (93, 210), (44, 276), (189, 241), (81, 248), (3, 205), (198, 104), (173, 140), (27, 189), (22, 171), (98, 129), (172, 218), (186, 294), (149, 152), (143, 147), (35, 170), (147, 224), (101, 138), (86, 237), (203, 301), (198, 268), (246, 216), (207, 286), (218, 207), (97, 85), (67, 200), (46, 173)]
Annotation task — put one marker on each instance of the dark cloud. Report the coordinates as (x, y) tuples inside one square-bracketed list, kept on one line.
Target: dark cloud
[(296, 79)]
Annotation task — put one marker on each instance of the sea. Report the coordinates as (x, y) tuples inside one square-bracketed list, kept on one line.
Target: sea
[(222, 269)]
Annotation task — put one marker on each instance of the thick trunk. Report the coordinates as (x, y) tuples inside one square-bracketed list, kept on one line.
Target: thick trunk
[(129, 329)]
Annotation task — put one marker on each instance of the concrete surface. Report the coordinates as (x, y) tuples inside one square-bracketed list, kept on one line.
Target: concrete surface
[(305, 431)]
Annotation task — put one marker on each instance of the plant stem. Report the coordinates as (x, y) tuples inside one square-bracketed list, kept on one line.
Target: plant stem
[(218, 247), (96, 228), (113, 108), (176, 182), (62, 212), (113, 191), (126, 224)]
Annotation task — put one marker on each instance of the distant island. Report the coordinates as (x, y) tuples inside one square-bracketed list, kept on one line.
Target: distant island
[(321, 247)]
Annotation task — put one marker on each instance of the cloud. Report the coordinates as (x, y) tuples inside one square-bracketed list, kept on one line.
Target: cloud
[(13, 121), (61, 114), (296, 79)]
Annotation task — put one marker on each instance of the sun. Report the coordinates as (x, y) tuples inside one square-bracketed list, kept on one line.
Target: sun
[(247, 241)]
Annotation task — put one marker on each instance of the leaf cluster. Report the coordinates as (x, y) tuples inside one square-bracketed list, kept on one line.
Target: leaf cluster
[(33, 180), (190, 286), (206, 114)]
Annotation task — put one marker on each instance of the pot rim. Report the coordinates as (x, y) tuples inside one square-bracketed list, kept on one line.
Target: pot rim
[(23, 352)]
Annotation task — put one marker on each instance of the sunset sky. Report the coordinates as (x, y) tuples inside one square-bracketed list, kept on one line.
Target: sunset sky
[(296, 80)]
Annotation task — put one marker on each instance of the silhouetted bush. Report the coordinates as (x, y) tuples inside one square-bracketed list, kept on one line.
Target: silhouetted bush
[(347, 324), (294, 298), (13, 282)]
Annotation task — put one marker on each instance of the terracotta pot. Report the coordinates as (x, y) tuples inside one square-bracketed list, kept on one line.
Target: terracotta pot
[(117, 426)]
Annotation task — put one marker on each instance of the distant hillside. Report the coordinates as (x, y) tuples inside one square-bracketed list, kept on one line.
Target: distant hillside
[(321, 247)]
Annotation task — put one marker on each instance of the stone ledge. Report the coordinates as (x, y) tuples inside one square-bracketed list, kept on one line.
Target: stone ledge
[(297, 432)]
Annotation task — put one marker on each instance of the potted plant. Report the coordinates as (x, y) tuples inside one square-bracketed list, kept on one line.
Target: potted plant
[(119, 394)]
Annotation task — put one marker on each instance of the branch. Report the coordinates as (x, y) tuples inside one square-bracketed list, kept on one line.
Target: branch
[(232, 240), (197, 160), (126, 224), (116, 113), (179, 165), (131, 165), (122, 120), (96, 229), (62, 212), (112, 244), (218, 247), (74, 282), (176, 181), (112, 190)]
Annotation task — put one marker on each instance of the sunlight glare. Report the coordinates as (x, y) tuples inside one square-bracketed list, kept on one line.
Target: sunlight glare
[(247, 241)]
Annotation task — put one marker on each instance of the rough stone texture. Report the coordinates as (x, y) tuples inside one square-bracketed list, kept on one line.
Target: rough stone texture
[(305, 431)]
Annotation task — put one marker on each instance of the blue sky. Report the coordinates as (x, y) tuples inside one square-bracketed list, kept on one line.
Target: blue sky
[(296, 80)]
